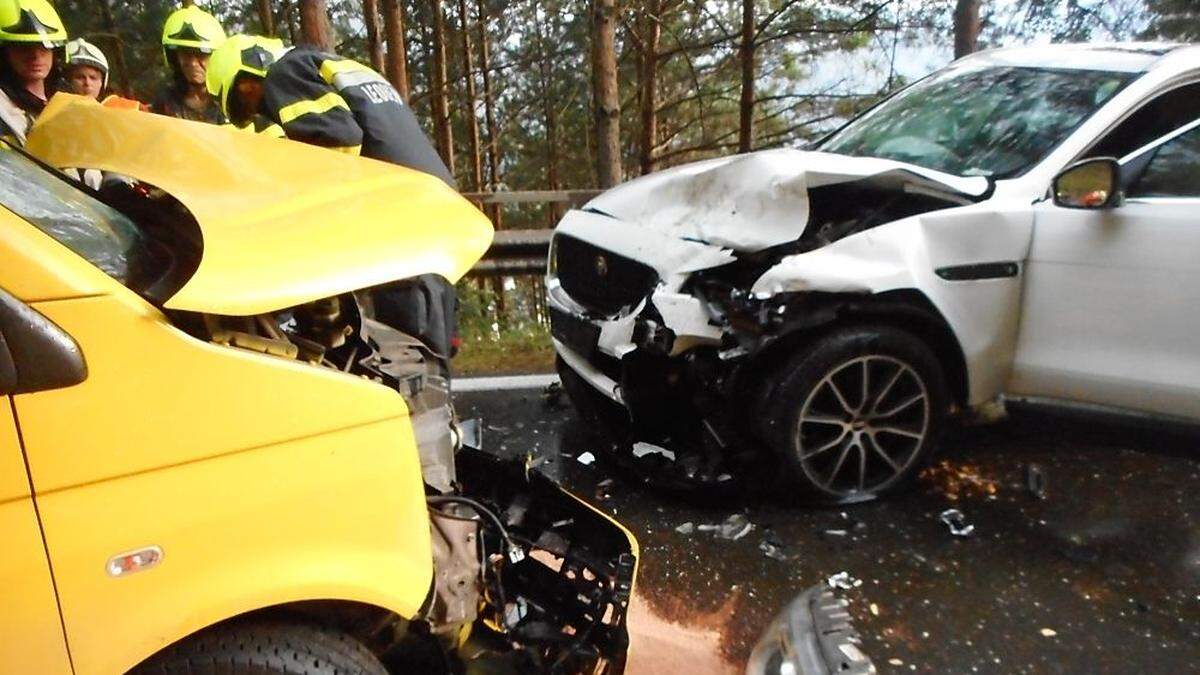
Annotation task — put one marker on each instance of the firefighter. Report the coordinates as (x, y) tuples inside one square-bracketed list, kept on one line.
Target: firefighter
[(31, 35), (189, 37), (326, 100), (86, 69), (320, 99), (87, 75)]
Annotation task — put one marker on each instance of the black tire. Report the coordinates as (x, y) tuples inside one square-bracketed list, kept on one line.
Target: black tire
[(816, 427), (265, 648)]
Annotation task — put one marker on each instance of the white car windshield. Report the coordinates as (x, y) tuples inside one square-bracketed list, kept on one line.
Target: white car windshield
[(992, 121)]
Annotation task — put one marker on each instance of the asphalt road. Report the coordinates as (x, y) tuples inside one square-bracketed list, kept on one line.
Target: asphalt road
[(1101, 574)]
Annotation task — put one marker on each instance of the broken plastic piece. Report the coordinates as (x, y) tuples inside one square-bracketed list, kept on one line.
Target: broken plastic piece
[(735, 527), (586, 459), (772, 550), (957, 523), (641, 449), (844, 581), (1035, 480), (686, 528)]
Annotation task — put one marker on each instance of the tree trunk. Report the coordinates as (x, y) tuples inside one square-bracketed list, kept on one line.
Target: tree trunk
[(266, 20), (468, 57), (439, 103), (374, 43), (648, 86), (746, 57), (966, 27), (489, 110), (397, 52), (118, 51), (314, 25), (605, 90)]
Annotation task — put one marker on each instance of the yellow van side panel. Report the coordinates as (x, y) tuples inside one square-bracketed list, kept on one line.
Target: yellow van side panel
[(263, 481), (338, 516), (31, 638)]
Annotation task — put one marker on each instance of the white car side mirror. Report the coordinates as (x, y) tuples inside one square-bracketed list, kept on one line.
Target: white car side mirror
[(1093, 183)]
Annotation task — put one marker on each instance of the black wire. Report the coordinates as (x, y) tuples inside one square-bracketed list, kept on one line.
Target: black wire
[(479, 508)]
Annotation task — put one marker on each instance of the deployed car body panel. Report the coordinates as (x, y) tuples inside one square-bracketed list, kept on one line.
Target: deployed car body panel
[(314, 225)]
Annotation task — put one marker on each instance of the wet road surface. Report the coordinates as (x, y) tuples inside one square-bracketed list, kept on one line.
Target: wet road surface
[(1101, 574)]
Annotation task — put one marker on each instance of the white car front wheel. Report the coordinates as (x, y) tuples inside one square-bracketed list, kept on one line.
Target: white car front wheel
[(858, 411)]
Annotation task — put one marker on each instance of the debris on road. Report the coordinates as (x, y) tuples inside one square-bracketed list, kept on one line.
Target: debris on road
[(844, 581), (959, 481), (772, 550), (586, 459), (735, 527), (553, 398), (602, 489), (1049, 632), (686, 528), (836, 533), (874, 609), (957, 523), (1035, 480), (641, 449)]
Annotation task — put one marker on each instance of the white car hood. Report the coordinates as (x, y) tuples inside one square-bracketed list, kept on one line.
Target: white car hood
[(758, 200)]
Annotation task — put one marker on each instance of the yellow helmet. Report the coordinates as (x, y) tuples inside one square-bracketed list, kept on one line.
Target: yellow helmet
[(31, 22), (191, 28), (252, 54)]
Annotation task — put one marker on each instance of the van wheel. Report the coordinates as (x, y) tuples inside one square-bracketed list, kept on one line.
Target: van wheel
[(265, 648), (857, 412)]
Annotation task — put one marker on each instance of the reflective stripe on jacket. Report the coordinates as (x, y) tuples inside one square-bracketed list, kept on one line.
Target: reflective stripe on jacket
[(338, 103)]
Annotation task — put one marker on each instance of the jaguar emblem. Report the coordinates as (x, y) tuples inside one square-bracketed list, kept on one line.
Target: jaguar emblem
[(601, 265)]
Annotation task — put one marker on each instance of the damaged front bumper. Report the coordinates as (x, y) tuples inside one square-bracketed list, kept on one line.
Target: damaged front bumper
[(555, 575)]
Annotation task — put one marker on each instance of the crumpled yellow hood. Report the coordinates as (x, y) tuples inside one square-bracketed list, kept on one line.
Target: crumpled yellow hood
[(283, 223)]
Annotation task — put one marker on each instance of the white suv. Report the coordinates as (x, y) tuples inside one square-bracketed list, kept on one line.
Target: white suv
[(1025, 222)]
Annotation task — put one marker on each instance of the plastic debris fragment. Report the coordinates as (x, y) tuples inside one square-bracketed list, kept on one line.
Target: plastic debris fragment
[(844, 581), (641, 449), (957, 522), (1049, 632), (772, 550), (735, 527), (686, 528), (586, 459), (1035, 481)]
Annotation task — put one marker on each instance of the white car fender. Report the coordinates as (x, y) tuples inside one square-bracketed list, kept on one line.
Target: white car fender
[(909, 254)]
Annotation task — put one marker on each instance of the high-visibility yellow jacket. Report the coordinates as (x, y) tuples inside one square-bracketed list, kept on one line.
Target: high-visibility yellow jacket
[(335, 102)]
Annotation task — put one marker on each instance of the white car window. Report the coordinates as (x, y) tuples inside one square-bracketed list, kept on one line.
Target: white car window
[(1162, 115), (1173, 171)]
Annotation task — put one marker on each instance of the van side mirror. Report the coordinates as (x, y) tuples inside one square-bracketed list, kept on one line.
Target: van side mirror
[(1093, 183), (35, 354)]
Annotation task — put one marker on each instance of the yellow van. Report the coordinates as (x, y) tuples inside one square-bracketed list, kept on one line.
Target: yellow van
[(212, 460)]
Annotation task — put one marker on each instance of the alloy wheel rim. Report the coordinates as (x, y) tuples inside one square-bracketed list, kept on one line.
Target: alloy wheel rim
[(862, 426)]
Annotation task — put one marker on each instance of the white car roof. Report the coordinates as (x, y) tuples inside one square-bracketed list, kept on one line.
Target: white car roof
[(1131, 57)]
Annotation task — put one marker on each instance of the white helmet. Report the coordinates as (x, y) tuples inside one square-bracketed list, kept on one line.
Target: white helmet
[(80, 52)]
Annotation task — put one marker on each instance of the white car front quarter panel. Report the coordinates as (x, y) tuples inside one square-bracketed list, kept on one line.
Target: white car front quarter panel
[(907, 254)]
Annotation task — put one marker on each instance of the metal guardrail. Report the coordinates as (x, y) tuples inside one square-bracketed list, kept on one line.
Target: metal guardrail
[(517, 252)]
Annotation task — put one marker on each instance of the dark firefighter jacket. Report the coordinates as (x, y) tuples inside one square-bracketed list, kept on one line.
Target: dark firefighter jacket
[(335, 102)]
